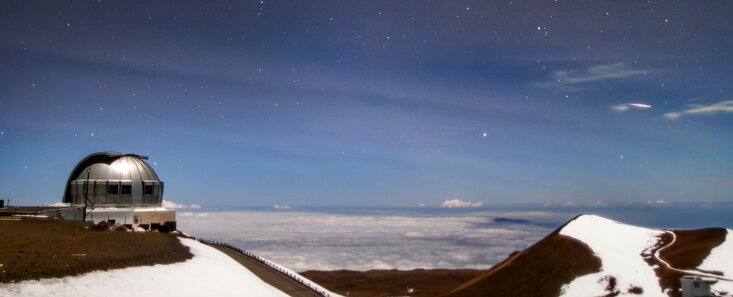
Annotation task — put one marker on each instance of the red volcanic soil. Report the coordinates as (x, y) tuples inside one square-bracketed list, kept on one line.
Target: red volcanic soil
[(689, 251), (433, 282), (32, 248), (538, 271)]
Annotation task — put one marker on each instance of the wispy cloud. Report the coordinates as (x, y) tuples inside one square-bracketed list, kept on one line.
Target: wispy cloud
[(623, 107), (595, 73), (458, 203), (717, 108)]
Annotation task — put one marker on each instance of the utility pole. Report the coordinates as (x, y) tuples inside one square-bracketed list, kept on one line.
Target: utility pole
[(73, 225), (86, 195)]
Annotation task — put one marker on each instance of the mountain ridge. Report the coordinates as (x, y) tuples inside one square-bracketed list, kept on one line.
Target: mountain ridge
[(594, 256)]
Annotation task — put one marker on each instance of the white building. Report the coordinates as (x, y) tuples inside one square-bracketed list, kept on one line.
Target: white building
[(695, 286)]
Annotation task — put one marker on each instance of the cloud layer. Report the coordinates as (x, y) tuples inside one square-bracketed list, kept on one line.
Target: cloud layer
[(304, 241)]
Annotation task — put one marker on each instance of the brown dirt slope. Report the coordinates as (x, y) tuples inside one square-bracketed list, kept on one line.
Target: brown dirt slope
[(432, 282), (40, 248), (538, 271), (688, 252)]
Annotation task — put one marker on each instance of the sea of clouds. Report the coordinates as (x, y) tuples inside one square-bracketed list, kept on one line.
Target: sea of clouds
[(325, 241)]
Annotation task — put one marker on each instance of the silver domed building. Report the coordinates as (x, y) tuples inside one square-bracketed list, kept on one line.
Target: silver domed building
[(119, 189), (114, 179)]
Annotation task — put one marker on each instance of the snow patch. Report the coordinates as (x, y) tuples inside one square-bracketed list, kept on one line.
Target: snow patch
[(209, 273), (620, 249), (721, 259)]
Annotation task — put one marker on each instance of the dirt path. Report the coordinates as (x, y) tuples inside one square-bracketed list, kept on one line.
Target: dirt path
[(269, 275), (658, 257)]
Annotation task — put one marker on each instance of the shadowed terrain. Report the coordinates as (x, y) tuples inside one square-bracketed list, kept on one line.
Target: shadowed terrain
[(540, 270), (423, 282)]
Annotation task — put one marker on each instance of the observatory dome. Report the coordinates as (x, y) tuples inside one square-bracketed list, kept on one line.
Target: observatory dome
[(114, 179)]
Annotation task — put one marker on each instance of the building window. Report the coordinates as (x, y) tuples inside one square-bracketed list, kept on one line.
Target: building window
[(126, 190), (113, 189), (148, 190)]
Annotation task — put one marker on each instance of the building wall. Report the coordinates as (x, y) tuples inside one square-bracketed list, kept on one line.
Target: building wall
[(695, 287), (154, 216), (110, 192), (119, 215)]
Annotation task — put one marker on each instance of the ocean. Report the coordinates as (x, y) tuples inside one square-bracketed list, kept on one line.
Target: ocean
[(363, 238)]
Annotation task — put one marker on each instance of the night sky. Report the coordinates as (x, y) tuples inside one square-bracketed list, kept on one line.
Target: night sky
[(374, 103)]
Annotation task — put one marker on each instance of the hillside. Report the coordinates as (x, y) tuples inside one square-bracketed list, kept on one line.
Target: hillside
[(34, 248), (594, 256)]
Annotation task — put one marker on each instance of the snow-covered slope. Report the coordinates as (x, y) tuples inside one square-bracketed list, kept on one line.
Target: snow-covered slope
[(621, 249), (208, 273)]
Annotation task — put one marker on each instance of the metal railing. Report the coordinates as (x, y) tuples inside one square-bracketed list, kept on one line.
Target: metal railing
[(292, 275)]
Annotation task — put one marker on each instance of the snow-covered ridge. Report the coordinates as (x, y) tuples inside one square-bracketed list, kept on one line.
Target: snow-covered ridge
[(623, 250)]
